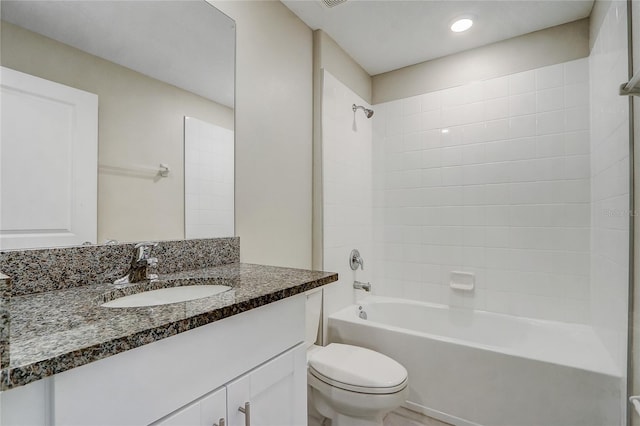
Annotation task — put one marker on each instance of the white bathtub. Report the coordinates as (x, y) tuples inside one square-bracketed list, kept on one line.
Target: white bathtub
[(479, 368)]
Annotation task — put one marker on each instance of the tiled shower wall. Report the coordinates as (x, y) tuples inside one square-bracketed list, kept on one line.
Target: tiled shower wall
[(209, 180), (491, 178), (347, 191), (610, 182)]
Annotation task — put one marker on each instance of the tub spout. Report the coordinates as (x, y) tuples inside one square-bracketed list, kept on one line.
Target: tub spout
[(362, 286)]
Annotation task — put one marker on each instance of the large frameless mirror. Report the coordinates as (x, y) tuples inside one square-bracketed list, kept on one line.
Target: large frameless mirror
[(100, 101)]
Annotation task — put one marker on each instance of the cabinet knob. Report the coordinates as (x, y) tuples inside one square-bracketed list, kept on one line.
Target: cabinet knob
[(246, 410), (220, 422)]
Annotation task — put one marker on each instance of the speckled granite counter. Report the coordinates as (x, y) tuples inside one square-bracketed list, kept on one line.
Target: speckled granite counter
[(58, 330), (5, 299), (50, 314)]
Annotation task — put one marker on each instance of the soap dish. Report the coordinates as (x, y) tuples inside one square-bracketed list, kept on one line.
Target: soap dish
[(463, 281)]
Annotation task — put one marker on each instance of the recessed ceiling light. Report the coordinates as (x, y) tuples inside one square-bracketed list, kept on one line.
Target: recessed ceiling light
[(461, 24)]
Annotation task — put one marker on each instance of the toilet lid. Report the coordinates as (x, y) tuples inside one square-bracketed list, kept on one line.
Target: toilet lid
[(357, 367)]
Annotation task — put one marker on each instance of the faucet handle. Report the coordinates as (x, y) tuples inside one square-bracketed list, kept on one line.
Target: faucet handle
[(355, 260), (143, 250), (150, 244)]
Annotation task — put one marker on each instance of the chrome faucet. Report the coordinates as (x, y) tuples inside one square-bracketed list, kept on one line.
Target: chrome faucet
[(355, 260), (140, 263), (362, 286)]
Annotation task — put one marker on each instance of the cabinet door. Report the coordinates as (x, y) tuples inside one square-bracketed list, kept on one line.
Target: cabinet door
[(207, 411), (213, 408), (275, 391)]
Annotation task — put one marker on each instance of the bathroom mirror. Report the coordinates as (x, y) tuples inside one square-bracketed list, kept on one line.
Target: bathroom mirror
[(149, 64)]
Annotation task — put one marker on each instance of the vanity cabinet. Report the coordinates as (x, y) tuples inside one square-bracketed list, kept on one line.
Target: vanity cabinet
[(257, 356), (276, 392), (267, 395), (207, 411)]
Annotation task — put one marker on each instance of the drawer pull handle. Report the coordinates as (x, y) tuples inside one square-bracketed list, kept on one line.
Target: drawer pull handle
[(246, 410), (220, 422)]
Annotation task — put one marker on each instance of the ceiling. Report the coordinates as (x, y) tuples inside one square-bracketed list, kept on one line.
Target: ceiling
[(188, 44), (385, 35)]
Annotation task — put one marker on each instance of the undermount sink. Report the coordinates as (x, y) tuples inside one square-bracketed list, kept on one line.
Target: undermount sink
[(164, 296)]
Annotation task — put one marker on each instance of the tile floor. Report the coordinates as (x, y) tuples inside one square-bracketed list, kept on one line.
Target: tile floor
[(398, 417), (404, 417)]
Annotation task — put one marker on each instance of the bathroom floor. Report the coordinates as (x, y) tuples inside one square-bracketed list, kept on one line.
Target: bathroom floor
[(398, 417), (404, 417)]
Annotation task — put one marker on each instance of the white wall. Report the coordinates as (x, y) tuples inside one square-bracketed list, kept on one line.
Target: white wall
[(610, 180), (273, 133), (347, 191), (491, 178)]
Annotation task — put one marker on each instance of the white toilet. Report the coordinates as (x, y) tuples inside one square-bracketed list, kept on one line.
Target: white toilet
[(350, 385)]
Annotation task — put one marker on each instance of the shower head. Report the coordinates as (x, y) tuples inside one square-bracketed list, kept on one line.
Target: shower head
[(368, 112)]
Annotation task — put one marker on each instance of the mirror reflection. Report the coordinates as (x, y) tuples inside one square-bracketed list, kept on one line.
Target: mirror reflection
[(95, 100)]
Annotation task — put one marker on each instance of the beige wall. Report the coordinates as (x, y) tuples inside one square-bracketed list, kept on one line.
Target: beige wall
[(273, 133), (327, 54), (330, 56), (546, 47), (140, 123)]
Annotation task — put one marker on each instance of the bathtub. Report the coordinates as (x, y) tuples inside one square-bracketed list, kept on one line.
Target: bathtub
[(478, 368)]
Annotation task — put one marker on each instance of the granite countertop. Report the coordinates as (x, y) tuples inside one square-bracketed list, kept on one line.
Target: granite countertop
[(55, 331)]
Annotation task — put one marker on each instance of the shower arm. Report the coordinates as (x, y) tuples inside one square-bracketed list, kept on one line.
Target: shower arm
[(367, 112)]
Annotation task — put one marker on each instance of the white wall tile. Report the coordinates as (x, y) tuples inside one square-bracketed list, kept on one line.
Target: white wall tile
[(551, 76), (430, 101), (552, 145), (496, 108), (208, 180), (347, 158), (577, 119), (576, 95), (412, 123), (411, 106), (431, 119), (522, 104), (504, 190), (550, 99), (412, 141), (607, 122), (496, 88), (452, 156), (523, 126), (522, 82), (576, 71), (550, 122)]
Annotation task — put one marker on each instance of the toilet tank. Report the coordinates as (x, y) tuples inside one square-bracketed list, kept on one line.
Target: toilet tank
[(313, 316)]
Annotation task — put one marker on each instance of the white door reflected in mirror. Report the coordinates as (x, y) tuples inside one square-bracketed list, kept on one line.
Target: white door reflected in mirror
[(48, 173)]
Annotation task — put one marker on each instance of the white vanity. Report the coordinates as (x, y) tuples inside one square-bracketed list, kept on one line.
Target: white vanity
[(200, 377), (235, 357)]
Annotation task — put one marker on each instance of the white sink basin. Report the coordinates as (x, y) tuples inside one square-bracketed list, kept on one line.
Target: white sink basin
[(164, 296)]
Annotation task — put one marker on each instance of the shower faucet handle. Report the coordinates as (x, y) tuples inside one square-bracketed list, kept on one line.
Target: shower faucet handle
[(355, 260)]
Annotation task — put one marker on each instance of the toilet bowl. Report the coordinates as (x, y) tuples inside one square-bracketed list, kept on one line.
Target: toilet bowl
[(351, 385)]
